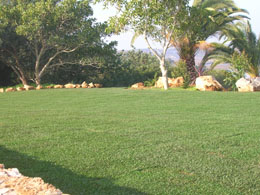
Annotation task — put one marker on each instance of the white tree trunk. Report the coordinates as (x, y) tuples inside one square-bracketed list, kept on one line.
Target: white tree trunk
[(164, 75)]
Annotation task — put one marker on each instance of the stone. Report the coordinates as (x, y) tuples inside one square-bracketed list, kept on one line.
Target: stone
[(91, 85), (2, 90), (178, 82), (159, 83), (39, 87), (84, 85), (58, 86), (77, 86), (208, 83), (246, 85), (69, 86), (20, 89), (256, 83), (28, 87), (49, 87), (10, 89), (12, 182), (97, 85), (137, 86), (172, 82)]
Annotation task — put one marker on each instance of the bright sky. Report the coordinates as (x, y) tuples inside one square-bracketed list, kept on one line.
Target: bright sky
[(252, 6)]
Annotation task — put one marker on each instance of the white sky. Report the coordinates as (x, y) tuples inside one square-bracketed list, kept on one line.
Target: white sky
[(252, 6)]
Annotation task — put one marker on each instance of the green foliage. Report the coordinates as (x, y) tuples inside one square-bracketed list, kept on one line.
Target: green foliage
[(204, 19), (57, 33), (238, 38), (180, 70), (139, 67), (239, 66), (151, 82)]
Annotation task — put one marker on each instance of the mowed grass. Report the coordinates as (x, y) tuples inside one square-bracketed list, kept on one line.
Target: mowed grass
[(121, 141)]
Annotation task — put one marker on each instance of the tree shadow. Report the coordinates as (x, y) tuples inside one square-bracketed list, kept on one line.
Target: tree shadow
[(62, 178)]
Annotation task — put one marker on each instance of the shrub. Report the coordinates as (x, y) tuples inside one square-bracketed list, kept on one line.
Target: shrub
[(239, 66), (180, 70)]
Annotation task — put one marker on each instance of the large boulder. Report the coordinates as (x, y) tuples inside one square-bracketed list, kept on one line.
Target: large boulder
[(172, 82), (208, 83), (246, 85), (178, 82), (137, 86)]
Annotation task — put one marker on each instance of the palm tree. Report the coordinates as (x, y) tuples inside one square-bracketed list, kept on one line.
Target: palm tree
[(204, 19), (239, 39)]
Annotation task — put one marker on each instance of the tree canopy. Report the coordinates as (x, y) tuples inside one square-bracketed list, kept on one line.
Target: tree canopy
[(57, 33), (156, 20)]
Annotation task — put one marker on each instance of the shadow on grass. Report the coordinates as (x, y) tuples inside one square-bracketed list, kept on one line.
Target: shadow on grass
[(62, 178)]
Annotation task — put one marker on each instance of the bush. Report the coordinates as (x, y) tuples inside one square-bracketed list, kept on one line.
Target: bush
[(239, 66), (180, 70)]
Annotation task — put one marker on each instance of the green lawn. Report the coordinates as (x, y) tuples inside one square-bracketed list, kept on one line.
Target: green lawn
[(120, 141)]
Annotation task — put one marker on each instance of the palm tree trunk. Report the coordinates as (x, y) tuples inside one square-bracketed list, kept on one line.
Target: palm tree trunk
[(190, 63)]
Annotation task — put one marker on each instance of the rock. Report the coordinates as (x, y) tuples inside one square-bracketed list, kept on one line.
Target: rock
[(178, 82), (98, 85), (137, 86), (84, 85), (12, 182), (171, 82), (91, 85), (208, 83), (2, 90), (69, 86), (28, 87), (20, 89), (58, 86), (2, 166), (245, 85), (256, 83), (77, 86), (10, 89), (159, 83), (39, 87), (49, 87)]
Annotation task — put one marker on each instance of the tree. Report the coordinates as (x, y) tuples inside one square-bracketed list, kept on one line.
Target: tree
[(15, 53), (239, 39), (57, 32), (155, 20), (205, 18)]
